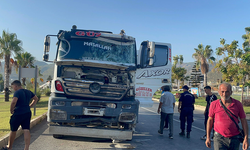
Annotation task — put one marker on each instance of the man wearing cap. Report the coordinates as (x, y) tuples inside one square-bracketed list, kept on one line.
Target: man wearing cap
[(186, 108)]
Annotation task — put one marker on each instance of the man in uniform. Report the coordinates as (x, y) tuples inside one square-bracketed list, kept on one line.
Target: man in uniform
[(186, 108)]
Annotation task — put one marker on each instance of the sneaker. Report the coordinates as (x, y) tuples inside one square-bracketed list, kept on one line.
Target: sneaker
[(171, 137), (160, 132), (165, 128), (188, 134), (182, 134), (204, 137)]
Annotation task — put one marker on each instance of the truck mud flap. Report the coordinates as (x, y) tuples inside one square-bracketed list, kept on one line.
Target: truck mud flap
[(92, 132)]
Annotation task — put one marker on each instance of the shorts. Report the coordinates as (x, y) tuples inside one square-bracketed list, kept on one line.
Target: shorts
[(17, 120)]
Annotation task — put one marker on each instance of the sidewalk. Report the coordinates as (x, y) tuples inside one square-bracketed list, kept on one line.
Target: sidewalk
[(33, 122), (202, 108)]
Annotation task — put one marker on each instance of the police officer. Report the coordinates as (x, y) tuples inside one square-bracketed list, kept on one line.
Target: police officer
[(186, 108)]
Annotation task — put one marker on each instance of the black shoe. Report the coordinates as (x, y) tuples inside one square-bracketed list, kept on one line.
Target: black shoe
[(160, 132), (182, 133), (188, 134)]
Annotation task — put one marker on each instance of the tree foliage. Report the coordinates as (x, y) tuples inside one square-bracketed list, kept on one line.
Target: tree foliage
[(178, 73), (25, 60), (9, 46), (235, 62), (204, 57)]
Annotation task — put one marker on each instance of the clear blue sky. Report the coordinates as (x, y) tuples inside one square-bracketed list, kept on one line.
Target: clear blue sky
[(183, 23)]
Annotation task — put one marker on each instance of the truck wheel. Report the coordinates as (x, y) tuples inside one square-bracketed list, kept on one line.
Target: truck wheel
[(57, 136)]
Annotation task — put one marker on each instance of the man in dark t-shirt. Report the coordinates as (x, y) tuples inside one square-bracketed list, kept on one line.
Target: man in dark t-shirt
[(186, 108), (21, 114), (209, 98)]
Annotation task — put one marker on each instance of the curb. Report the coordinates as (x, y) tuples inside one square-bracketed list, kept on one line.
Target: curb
[(33, 122), (202, 108)]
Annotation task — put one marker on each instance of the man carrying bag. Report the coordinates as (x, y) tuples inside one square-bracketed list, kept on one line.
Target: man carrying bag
[(226, 136)]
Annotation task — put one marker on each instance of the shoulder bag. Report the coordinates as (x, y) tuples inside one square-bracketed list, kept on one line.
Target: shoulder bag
[(241, 136)]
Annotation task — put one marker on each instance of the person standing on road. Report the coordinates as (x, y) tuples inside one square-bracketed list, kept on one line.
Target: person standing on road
[(166, 107), (186, 108), (209, 98), (226, 131), (166, 121), (21, 114)]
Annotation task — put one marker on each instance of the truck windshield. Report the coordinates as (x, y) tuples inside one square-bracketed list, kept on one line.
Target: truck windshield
[(105, 50)]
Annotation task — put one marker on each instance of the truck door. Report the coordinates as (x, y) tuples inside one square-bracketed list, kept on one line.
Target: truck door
[(153, 70)]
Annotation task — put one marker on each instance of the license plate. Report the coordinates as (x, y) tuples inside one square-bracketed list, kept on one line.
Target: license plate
[(93, 112)]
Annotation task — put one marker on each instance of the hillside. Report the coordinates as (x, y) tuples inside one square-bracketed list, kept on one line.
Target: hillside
[(46, 70), (212, 76)]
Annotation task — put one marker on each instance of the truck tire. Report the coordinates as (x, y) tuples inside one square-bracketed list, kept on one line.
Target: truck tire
[(57, 136)]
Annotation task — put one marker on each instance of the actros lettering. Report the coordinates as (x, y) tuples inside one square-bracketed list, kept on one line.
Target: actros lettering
[(88, 33), (150, 73)]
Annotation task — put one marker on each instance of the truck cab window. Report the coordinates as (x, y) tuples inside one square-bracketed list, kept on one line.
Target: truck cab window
[(160, 57), (144, 56)]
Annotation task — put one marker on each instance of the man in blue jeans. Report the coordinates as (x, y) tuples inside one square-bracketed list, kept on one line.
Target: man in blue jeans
[(166, 107), (21, 114)]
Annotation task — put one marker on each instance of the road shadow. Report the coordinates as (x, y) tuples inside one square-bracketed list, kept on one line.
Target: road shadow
[(35, 132)]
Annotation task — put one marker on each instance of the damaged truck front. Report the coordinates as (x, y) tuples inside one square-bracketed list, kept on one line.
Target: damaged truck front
[(93, 88)]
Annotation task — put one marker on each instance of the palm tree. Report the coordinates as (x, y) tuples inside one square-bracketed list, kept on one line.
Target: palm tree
[(203, 57), (9, 45), (25, 60), (177, 59), (246, 38), (178, 73)]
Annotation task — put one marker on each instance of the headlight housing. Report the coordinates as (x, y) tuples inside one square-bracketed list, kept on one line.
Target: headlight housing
[(127, 117), (59, 103), (76, 103), (111, 105), (126, 106), (56, 114)]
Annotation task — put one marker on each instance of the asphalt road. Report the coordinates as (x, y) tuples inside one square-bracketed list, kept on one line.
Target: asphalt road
[(145, 138)]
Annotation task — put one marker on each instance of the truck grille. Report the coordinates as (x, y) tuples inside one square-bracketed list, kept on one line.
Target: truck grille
[(81, 88)]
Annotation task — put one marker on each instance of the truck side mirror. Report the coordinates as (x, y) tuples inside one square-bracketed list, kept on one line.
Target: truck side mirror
[(46, 44), (151, 46)]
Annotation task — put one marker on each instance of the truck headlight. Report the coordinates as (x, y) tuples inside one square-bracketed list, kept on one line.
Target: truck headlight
[(76, 103), (111, 105), (59, 103), (56, 114), (127, 117), (126, 106)]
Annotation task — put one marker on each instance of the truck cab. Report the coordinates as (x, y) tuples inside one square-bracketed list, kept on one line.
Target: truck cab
[(100, 81)]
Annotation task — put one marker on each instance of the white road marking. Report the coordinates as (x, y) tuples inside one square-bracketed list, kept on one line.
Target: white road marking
[(174, 119)]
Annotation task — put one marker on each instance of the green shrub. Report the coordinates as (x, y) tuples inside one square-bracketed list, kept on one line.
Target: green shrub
[(47, 91), (246, 102)]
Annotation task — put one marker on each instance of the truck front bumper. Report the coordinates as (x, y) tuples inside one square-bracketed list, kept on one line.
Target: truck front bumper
[(63, 110), (92, 132)]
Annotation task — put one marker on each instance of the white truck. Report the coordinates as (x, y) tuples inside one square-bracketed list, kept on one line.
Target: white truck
[(100, 79)]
